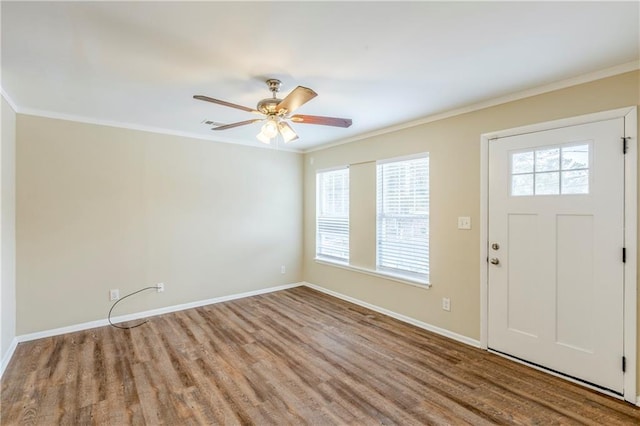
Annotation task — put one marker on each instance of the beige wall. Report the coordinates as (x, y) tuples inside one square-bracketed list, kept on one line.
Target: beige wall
[(7, 229), (101, 208), (454, 149)]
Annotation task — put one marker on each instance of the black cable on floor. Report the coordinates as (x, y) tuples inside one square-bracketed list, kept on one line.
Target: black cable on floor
[(120, 300)]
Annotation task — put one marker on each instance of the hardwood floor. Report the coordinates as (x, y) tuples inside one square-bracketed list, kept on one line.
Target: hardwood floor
[(292, 357)]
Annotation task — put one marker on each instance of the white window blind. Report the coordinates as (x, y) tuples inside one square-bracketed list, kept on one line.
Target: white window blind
[(332, 215), (403, 217)]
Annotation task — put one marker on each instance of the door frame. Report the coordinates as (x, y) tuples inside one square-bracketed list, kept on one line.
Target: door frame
[(630, 115)]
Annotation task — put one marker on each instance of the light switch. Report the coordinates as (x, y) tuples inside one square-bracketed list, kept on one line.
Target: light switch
[(464, 222)]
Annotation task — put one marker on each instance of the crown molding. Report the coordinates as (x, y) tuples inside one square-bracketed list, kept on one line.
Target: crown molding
[(149, 129), (563, 84), (131, 126), (7, 98)]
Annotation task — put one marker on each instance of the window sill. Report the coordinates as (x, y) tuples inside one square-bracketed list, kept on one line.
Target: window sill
[(380, 274)]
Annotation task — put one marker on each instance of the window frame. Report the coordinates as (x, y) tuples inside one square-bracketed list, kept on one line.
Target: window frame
[(422, 279), (321, 256)]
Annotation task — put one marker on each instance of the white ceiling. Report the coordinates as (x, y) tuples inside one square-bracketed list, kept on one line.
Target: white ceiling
[(381, 63)]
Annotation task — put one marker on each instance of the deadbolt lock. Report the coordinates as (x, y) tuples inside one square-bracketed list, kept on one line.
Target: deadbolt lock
[(495, 246)]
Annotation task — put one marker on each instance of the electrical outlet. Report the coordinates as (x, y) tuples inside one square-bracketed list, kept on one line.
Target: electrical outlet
[(114, 294), (160, 287), (446, 304), (283, 269)]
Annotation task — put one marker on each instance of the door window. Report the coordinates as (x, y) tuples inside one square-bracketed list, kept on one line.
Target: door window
[(557, 170)]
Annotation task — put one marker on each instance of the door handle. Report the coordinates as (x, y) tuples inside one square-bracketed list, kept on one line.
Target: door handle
[(494, 261)]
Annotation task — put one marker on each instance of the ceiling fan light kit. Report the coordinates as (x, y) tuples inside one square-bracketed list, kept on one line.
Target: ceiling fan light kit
[(276, 112), (270, 128), (286, 132), (262, 138)]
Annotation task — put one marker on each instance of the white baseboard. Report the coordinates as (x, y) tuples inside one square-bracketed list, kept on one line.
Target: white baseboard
[(7, 356), (441, 331), (150, 313)]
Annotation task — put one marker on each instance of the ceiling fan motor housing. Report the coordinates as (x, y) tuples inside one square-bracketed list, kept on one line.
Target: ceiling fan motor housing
[(268, 106)]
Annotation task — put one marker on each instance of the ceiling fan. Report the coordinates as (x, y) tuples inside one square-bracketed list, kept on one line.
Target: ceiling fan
[(276, 112)]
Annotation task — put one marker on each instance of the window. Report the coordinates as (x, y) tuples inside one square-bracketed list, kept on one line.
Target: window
[(332, 215), (551, 171), (403, 217)]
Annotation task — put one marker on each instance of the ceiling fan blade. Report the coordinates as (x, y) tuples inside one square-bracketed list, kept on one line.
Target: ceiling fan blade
[(238, 124), (325, 121), (294, 100), (224, 103)]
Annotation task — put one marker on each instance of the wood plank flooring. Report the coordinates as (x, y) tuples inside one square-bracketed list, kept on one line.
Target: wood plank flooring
[(292, 357)]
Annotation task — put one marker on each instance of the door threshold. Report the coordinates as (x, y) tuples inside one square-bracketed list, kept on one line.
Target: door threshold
[(583, 383)]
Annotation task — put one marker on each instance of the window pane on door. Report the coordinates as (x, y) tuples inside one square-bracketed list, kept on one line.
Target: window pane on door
[(575, 157), (560, 170), (547, 160), (522, 184), (522, 162), (575, 182), (547, 183)]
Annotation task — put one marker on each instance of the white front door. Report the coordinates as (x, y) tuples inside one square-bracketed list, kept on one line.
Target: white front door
[(556, 238)]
